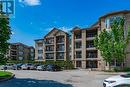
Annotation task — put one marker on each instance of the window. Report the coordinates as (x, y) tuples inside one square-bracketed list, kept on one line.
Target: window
[(49, 48), (21, 48), (40, 58), (40, 44), (60, 47), (32, 50), (78, 44), (78, 64), (78, 35), (49, 56), (40, 51), (60, 39), (91, 54), (20, 53), (90, 44), (109, 21), (39, 55), (49, 41), (60, 56), (91, 33), (20, 58), (78, 54), (92, 64)]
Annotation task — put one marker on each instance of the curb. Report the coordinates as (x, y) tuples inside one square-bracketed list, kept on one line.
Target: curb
[(6, 79)]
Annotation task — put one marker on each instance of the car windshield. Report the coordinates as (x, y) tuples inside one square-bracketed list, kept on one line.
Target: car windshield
[(126, 75)]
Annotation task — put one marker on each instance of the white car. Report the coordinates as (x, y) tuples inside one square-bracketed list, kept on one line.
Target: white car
[(24, 67), (117, 81), (41, 68)]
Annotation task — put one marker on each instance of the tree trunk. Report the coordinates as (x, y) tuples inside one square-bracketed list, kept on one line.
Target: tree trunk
[(109, 66)]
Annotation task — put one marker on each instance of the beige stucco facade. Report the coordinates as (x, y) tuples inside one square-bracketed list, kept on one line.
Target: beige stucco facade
[(87, 54), (84, 54), (54, 46), (20, 52)]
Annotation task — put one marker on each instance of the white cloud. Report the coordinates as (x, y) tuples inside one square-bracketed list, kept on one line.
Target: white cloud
[(30, 2), (66, 29)]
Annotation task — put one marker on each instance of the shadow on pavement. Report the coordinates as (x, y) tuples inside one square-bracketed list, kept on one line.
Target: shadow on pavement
[(26, 82)]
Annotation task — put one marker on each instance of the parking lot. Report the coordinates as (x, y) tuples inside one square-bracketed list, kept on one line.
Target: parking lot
[(67, 78)]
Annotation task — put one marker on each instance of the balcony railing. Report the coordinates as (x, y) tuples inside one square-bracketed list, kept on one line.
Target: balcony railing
[(90, 46), (49, 50), (92, 56), (60, 41), (60, 49), (79, 56), (49, 42), (91, 35), (60, 57), (48, 57)]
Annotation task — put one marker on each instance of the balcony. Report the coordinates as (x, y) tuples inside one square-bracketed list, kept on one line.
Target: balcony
[(40, 58), (60, 56), (13, 48), (60, 40), (78, 45), (49, 41), (78, 35), (91, 34), (91, 55), (49, 48), (49, 56), (40, 48), (78, 54), (40, 51), (90, 45), (60, 48)]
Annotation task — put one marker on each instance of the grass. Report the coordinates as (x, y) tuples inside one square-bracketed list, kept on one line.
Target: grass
[(5, 74)]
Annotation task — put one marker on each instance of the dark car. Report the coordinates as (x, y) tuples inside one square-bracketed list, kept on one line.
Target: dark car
[(19, 66), (52, 67)]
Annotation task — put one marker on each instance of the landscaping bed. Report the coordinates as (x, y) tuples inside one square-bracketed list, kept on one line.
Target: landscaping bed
[(4, 75)]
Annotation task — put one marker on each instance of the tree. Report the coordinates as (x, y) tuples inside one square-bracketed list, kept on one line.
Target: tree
[(5, 33), (113, 43)]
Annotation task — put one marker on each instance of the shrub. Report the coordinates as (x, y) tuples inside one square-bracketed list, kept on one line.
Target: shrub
[(125, 69), (117, 69), (61, 63)]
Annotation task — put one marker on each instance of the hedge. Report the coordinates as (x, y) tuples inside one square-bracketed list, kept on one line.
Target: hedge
[(61, 63)]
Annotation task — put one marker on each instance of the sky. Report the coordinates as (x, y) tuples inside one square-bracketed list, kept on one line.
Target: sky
[(35, 18)]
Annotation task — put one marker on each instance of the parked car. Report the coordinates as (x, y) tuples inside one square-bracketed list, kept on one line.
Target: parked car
[(10, 67), (19, 66), (2, 67), (31, 67), (41, 67), (117, 81), (27, 67), (52, 67), (24, 67), (36, 65)]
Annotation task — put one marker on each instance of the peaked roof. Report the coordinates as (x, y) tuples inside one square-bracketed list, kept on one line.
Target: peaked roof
[(75, 28), (115, 12), (58, 30)]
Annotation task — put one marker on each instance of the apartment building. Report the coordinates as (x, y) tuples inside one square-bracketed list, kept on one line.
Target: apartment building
[(54, 46), (84, 54), (20, 52)]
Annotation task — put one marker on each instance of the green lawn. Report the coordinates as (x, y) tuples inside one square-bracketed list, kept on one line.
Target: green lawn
[(5, 74)]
